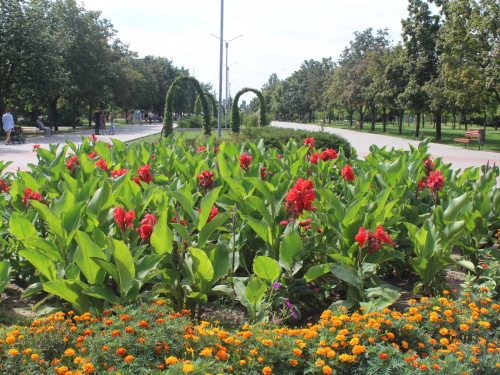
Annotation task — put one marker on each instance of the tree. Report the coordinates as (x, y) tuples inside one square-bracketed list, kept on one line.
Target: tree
[(420, 33)]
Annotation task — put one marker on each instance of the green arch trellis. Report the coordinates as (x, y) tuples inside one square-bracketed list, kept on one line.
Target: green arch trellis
[(168, 121), (235, 112), (197, 106)]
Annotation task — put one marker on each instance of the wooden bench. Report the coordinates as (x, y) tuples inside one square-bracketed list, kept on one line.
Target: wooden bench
[(479, 135)]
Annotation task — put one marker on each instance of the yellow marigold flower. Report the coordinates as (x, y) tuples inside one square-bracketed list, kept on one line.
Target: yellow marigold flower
[(485, 325), (188, 368), (27, 351), (444, 342), (293, 362), (254, 352), (34, 357), (69, 352), (10, 340), (78, 360), (88, 368), (331, 354), (267, 342), (171, 360), (13, 352), (497, 365), (297, 352), (443, 331), (267, 370)]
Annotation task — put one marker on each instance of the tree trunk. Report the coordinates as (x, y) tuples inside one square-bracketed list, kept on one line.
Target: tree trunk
[(485, 121), (496, 122), (465, 119), (417, 125), (423, 120), (330, 117), (126, 115), (351, 113), (73, 115), (361, 117), (454, 121), (373, 113), (53, 107), (90, 114), (384, 120), (310, 116), (437, 125), (401, 121)]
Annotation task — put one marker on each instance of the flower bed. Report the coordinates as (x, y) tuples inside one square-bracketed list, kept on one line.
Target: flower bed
[(437, 335)]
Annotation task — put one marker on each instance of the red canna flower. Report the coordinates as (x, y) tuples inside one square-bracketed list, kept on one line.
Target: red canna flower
[(146, 229), (216, 149), (310, 142), (72, 163), (201, 149), (205, 180), (482, 265), (279, 156), (346, 172), (429, 166), (124, 219), (183, 222), (328, 154), (118, 173), (29, 195), (435, 182), (144, 175), (264, 173), (361, 237), (153, 157), (110, 144), (421, 185), (35, 147), (92, 155), (314, 158), (300, 197), (245, 161), (213, 213), (101, 163), (93, 138), (3, 186), (382, 236)]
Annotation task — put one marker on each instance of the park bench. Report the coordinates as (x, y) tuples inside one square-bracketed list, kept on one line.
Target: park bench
[(479, 135)]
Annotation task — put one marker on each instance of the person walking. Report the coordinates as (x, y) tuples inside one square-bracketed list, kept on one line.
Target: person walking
[(150, 118), (41, 126), (97, 119), (156, 118), (8, 125), (145, 118), (112, 121)]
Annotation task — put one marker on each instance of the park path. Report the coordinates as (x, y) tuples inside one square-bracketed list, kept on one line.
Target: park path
[(22, 154), (458, 156)]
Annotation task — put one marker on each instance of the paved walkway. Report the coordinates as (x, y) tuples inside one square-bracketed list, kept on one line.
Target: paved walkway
[(458, 156), (22, 154)]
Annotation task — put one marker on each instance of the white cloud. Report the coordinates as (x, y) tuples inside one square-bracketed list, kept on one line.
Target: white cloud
[(278, 34)]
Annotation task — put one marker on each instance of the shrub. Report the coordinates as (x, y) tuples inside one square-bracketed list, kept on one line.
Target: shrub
[(190, 122), (274, 138), (251, 121)]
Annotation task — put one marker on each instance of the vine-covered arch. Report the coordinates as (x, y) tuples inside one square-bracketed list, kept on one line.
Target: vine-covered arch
[(213, 102), (168, 121), (235, 112)]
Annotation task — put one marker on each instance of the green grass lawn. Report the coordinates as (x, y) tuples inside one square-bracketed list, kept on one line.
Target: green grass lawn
[(447, 133), (187, 135)]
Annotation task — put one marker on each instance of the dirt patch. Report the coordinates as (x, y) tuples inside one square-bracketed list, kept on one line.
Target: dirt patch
[(13, 307)]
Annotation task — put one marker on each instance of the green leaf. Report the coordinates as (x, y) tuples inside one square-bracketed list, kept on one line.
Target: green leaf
[(21, 227), (145, 267), (162, 237), (259, 227), (124, 264), (347, 274), (32, 289), (48, 248), (71, 291), (454, 208), (206, 206), (102, 292), (65, 203), (266, 268), (41, 262), (254, 292), (86, 250), (263, 188), (51, 218), (108, 267), (291, 248), (220, 262), (209, 228), (100, 203), (4, 274), (316, 271), (258, 204), (202, 268)]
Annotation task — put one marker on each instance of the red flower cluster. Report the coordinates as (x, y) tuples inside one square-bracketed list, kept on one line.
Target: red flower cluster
[(310, 142), (72, 163), (328, 154), (201, 149), (110, 144), (3, 186), (374, 240), (28, 194), (300, 197), (93, 138), (123, 219), (92, 155), (264, 173), (435, 182), (245, 161), (101, 163), (147, 226), (205, 179), (118, 173), (183, 222), (144, 175), (35, 147), (428, 167), (213, 212), (346, 172)]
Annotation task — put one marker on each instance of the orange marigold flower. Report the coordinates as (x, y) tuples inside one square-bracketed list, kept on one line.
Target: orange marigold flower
[(188, 368), (254, 352), (297, 352), (267, 370), (436, 367), (358, 349), (13, 352), (143, 323), (10, 340), (243, 362), (105, 347), (88, 368), (34, 357), (293, 362), (129, 330), (115, 333), (120, 351), (260, 359), (69, 352), (171, 360), (141, 339), (383, 356), (327, 370), (128, 358), (206, 352)]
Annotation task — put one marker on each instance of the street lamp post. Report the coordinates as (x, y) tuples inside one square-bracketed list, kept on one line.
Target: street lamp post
[(227, 74), (220, 66)]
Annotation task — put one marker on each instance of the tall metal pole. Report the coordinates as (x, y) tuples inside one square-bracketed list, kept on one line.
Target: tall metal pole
[(220, 68), (227, 74)]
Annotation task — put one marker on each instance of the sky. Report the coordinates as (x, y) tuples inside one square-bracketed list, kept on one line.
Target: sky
[(278, 35)]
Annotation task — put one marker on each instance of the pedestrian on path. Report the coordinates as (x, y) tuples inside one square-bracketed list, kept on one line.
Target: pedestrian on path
[(156, 118), (150, 115), (97, 119), (112, 121), (41, 126), (8, 125)]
